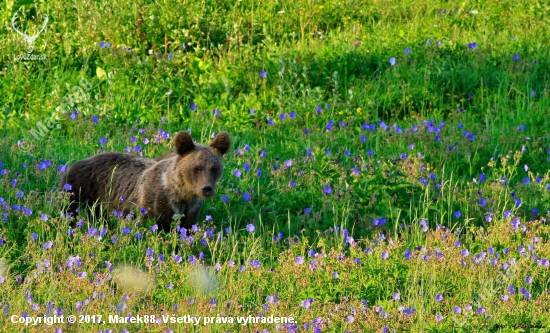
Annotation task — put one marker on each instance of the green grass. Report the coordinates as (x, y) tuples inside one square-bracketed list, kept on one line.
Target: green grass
[(458, 112)]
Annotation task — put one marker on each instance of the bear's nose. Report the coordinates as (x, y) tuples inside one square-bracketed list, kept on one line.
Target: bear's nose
[(207, 191)]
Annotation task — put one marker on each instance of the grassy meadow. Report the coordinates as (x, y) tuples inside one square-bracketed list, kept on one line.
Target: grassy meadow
[(389, 169)]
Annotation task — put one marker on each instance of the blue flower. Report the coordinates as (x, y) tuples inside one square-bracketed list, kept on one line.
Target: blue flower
[(45, 164), (306, 303), (424, 224), (254, 263), (263, 74), (250, 227), (407, 50), (511, 290), (482, 177), (376, 222), (396, 296), (515, 57), (246, 197), (392, 61), (472, 46)]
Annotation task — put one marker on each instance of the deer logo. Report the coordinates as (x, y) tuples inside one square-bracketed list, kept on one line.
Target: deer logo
[(30, 40)]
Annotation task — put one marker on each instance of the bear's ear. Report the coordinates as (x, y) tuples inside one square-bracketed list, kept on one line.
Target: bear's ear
[(184, 143), (222, 143)]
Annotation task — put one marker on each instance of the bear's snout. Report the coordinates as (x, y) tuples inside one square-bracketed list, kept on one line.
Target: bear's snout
[(207, 191)]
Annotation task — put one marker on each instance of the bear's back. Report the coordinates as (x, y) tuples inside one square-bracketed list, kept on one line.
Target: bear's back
[(99, 176)]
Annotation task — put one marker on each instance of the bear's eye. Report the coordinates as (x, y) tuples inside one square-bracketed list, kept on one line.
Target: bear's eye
[(214, 170), (196, 170)]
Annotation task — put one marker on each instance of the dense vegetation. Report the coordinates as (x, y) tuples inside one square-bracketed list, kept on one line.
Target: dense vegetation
[(389, 170)]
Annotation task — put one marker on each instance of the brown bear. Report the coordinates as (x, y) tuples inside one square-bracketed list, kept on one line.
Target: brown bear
[(166, 188)]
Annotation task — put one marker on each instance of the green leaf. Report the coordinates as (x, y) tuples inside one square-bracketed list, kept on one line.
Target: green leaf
[(18, 4), (101, 74)]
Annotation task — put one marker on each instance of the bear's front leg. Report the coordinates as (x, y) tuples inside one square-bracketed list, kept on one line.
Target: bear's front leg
[(191, 214)]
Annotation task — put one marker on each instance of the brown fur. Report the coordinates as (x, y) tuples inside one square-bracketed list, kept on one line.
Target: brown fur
[(175, 184)]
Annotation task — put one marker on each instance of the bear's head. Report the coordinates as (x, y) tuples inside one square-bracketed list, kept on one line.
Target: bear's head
[(199, 167)]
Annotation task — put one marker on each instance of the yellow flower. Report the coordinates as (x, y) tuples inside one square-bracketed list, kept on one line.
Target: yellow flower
[(340, 113), (321, 7), (359, 110)]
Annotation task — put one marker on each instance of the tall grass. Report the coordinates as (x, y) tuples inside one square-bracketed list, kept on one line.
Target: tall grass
[(396, 154)]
